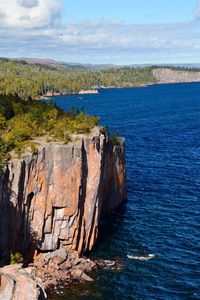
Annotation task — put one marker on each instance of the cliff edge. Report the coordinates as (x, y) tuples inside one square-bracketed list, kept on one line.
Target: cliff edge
[(55, 197)]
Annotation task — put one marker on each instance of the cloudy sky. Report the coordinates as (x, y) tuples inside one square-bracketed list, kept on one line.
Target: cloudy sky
[(106, 31)]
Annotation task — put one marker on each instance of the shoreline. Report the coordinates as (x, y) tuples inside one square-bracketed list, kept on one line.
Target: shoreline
[(81, 92), (53, 271), (88, 92)]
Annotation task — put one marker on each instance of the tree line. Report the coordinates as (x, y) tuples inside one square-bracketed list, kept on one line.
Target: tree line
[(35, 80)]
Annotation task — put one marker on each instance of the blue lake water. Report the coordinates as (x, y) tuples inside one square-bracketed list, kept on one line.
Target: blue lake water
[(161, 125)]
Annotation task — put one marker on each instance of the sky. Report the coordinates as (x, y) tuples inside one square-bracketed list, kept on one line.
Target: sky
[(102, 32)]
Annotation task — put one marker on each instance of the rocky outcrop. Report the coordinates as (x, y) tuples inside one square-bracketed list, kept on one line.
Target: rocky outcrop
[(55, 197), (82, 92), (167, 75), (18, 283), (50, 270)]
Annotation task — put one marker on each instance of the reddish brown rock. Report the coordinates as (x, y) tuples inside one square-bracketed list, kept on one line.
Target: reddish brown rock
[(17, 283), (86, 278), (56, 196), (65, 266), (111, 265), (76, 273)]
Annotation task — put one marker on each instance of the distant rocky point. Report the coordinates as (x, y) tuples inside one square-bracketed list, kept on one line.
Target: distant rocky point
[(82, 92), (167, 75)]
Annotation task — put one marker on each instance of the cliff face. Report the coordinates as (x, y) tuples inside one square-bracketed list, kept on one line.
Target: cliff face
[(166, 75), (56, 196)]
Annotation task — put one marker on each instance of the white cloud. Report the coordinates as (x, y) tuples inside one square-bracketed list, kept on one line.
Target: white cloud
[(28, 3), (28, 13), (101, 41), (35, 30)]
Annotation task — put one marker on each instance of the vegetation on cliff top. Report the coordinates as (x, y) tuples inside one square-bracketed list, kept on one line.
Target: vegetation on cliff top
[(21, 121), (34, 80)]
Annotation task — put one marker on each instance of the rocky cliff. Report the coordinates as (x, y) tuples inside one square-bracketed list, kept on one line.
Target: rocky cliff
[(56, 196), (167, 75)]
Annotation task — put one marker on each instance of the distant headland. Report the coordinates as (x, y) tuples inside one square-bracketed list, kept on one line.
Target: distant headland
[(37, 78)]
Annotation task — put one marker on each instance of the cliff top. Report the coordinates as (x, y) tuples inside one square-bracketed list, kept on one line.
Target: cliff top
[(74, 139), (25, 123)]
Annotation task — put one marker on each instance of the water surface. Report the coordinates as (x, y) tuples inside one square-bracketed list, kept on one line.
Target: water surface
[(161, 125)]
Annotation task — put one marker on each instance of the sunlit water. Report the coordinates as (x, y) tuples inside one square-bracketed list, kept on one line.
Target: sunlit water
[(161, 125)]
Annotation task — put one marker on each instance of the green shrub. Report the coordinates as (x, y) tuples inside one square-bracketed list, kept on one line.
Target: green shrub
[(20, 129), (2, 122), (16, 258), (20, 121)]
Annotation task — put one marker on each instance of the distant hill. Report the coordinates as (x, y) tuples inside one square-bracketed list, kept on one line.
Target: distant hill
[(53, 62), (88, 66)]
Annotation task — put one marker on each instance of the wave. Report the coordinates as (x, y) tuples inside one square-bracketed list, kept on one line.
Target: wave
[(141, 257)]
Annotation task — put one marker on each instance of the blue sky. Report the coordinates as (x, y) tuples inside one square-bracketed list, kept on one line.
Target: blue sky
[(131, 11), (86, 31)]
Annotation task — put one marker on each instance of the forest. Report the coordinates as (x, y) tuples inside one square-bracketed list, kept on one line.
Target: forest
[(31, 81)]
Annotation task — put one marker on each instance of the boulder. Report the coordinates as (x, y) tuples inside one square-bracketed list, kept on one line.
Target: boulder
[(85, 277), (66, 265), (17, 283)]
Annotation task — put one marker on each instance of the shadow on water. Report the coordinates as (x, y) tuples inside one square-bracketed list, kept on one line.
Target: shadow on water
[(110, 225)]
